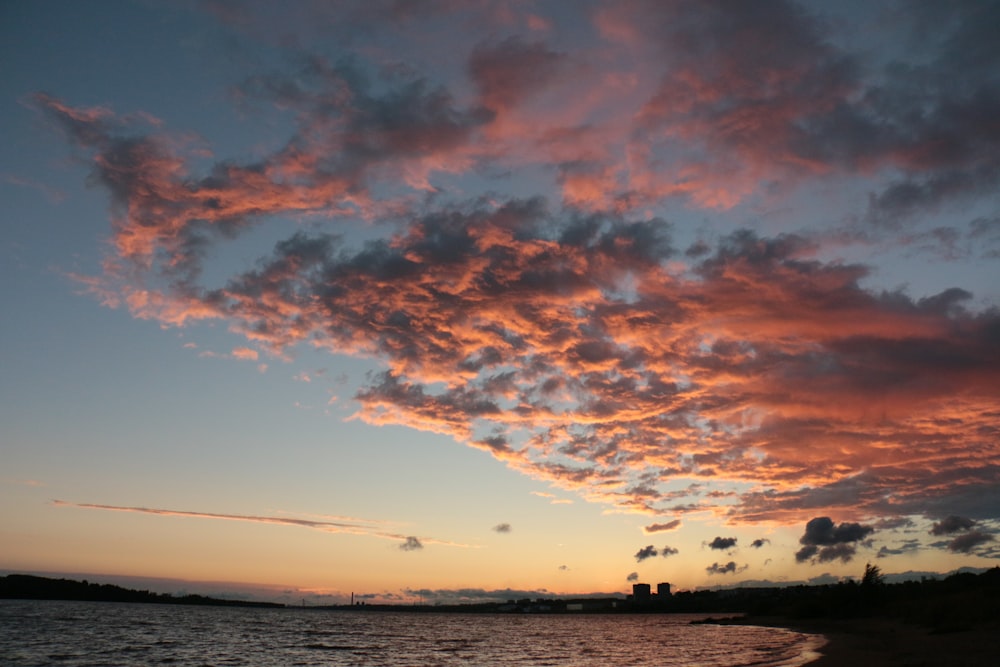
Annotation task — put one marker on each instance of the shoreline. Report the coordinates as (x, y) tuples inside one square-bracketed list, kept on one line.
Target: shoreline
[(880, 641)]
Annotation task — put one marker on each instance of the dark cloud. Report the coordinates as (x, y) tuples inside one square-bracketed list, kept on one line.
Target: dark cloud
[(340, 107), (952, 524), (564, 568), (669, 551), (970, 537), (502, 528), (844, 552), (966, 542), (646, 552), (722, 543), (984, 235), (807, 552), (411, 544), (633, 576), (894, 523), (823, 531), (906, 547), (661, 527), (928, 120), (727, 568), (508, 72), (826, 541)]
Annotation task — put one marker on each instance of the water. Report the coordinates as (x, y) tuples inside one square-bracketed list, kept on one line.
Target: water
[(91, 634)]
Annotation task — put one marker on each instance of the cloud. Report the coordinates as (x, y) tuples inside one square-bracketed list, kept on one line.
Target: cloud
[(894, 523), (966, 542), (968, 539), (342, 525), (566, 334), (669, 551), (22, 482), (244, 353), (54, 195), (633, 576), (508, 72), (661, 527), (759, 542), (822, 530), (952, 524), (646, 552), (824, 109), (520, 299), (825, 541), (845, 552), (502, 528), (728, 568), (906, 547), (411, 544), (722, 543)]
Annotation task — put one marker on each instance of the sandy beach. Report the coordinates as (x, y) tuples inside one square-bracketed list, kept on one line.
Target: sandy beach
[(885, 642)]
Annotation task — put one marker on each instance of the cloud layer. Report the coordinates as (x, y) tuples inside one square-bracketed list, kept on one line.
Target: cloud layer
[(566, 330)]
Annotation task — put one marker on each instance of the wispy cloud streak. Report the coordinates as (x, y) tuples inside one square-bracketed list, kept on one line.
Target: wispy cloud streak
[(352, 527)]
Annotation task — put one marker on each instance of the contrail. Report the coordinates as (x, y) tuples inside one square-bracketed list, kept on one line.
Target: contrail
[(348, 527)]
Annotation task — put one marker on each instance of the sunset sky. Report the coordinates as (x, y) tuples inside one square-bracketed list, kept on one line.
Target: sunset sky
[(462, 299)]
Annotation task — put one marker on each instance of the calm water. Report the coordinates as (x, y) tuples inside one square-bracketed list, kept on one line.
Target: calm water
[(95, 633)]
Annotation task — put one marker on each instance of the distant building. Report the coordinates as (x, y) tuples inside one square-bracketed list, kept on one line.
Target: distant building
[(663, 590), (600, 604), (641, 592)]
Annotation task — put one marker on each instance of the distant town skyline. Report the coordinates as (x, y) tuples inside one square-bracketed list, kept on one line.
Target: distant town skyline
[(435, 300)]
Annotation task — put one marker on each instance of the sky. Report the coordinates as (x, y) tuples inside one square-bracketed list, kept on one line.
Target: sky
[(451, 301)]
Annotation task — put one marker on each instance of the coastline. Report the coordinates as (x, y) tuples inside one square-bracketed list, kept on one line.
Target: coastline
[(881, 642)]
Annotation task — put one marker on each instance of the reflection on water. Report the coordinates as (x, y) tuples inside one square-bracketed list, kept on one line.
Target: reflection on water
[(95, 633)]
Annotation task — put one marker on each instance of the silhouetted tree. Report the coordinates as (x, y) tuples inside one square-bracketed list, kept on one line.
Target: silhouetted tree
[(873, 577)]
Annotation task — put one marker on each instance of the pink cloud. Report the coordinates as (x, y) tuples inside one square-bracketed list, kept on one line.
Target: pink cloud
[(244, 353), (574, 342)]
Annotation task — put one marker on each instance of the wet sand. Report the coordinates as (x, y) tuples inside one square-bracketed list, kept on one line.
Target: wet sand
[(884, 642)]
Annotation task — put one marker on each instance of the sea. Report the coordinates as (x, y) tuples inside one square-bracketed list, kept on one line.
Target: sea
[(91, 634)]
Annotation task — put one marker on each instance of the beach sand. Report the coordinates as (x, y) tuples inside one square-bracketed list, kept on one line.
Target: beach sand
[(884, 642)]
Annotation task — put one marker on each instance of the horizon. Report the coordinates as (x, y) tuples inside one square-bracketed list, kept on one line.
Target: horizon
[(392, 298), (231, 590)]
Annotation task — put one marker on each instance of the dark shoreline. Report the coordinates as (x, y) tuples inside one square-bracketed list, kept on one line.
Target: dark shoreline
[(888, 642), (31, 587)]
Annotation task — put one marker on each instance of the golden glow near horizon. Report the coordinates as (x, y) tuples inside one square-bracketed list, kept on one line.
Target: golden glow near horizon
[(436, 304)]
